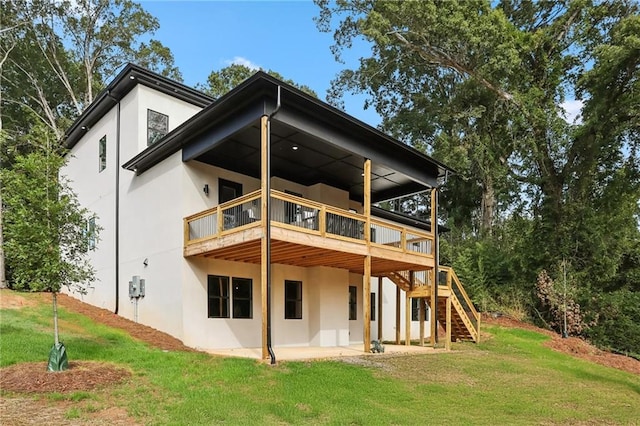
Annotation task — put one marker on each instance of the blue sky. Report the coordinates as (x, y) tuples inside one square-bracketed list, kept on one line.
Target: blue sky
[(279, 35)]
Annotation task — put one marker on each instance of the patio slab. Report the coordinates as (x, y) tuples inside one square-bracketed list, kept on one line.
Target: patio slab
[(317, 352)]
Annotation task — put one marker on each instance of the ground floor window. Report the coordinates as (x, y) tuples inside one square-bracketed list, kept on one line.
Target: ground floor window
[(222, 301), (373, 307), (218, 292), (292, 299), (242, 299), (353, 303)]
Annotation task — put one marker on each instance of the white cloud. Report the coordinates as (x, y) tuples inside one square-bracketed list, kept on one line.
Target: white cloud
[(572, 111), (239, 60)]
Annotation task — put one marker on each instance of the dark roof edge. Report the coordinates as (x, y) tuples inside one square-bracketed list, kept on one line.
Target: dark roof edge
[(166, 146), (120, 86), (354, 120)]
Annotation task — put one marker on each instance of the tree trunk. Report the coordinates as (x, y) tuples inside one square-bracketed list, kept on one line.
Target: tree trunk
[(3, 277), (487, 206), (55, 317)]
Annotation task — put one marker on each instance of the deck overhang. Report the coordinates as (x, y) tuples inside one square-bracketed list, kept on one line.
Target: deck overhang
[(292, 247)]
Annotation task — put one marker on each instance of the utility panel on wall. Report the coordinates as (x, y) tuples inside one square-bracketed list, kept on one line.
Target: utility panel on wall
[(136, 287)]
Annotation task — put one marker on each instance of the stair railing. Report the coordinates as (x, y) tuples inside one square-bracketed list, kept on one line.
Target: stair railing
[(454, 284)]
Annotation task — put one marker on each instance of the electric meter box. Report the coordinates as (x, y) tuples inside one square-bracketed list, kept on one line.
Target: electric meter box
[(134, 287)]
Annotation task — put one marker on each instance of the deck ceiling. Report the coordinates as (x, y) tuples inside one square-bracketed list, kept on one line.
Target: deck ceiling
[(287, 253), (305, 159)]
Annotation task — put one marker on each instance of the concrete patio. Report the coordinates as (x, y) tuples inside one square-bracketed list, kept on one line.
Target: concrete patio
[(317, 352)]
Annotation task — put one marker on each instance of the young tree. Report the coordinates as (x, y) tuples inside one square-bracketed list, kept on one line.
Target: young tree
[(47, 232)]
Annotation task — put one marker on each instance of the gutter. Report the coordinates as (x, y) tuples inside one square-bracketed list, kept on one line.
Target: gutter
[(268, 233)]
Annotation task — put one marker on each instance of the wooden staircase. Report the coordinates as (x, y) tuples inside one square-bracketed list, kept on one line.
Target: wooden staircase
[(465, 320)]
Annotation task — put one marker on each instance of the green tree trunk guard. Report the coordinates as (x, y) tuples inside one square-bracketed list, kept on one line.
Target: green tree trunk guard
[(58, 358)]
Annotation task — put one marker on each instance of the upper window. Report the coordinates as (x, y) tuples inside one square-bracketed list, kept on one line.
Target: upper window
[(157, 126), (218, 291), (292, 299), (242, 306), (353, 302), (102, 153)]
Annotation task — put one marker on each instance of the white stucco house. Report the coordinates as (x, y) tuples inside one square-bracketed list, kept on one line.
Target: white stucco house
[(252, 219)]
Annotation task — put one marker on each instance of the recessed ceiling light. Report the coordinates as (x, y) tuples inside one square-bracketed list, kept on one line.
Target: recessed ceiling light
[(132, 77), (295, 148)]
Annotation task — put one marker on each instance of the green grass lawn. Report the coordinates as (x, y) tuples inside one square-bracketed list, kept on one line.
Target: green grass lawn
[(511, 378)]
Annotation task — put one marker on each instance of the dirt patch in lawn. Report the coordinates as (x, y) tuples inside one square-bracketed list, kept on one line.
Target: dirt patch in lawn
[(33, 377), (25, 385), (12, 300), (572, 345), (22, 411)]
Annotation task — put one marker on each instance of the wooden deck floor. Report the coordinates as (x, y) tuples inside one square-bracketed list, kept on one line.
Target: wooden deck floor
[(298, 248)]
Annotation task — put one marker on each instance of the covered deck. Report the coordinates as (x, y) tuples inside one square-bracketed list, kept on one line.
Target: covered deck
[(306, 233)]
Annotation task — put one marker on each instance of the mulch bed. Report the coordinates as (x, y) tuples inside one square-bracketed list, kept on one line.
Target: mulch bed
[(33, 377), (149, 335)]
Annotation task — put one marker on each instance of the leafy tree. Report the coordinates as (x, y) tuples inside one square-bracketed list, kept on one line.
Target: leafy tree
[(47, 232), (60, 53), (55, 56), (480, 85), (222, 81)]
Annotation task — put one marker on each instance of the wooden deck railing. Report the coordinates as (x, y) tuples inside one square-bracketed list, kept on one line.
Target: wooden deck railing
[(225, 218), (296, 213), (461, 296)]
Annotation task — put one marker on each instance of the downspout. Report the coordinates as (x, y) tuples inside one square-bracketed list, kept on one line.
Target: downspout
[(117, 242), (268, 232), (117, 212)]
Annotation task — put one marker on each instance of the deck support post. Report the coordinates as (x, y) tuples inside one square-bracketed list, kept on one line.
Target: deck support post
[(380, 309), (397, 315), (421, 311), (264, 243), (447, 342), (366, 287), (366, 304), (434, 281), (407, 319)]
